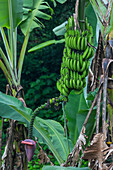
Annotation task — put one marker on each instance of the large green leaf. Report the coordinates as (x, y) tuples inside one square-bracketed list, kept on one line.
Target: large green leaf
[(73, 106), (45, 44), (63, 168), (56, 132), (51, 132), (17, 12), (76, 112)]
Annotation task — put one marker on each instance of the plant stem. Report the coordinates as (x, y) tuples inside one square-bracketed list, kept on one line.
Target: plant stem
[(15, 51), (44, 106), (81, 14), (65, 126), (104, 105), (98, 111)]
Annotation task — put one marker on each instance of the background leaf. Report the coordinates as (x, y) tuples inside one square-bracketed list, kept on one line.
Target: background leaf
[(63, 168), (17, 11), (61, 29), (61, 1), (45, 44), (30, 18)]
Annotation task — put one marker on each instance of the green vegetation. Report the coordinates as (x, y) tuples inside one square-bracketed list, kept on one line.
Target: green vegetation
[(63, 123)]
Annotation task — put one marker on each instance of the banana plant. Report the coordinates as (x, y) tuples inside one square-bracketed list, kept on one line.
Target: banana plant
[(13, 13), (26, 14), (49, 132)]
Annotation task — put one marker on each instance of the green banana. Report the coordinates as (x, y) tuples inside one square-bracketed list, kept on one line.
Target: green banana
[(78, 66), (71, 73), (85, 52), (82, 45), (81, 84), (90, 39), (84, 74), (79, 43), (64, 92), (74, 84), (65, 88), (75, 43), (74, 65), (79, 78), (66, 82), (71, 83), (83, 66), (71, 64), (78, 82), (81, 60), (89, 55), (73, 54), (67, 41), (76, 76), (58, 85)]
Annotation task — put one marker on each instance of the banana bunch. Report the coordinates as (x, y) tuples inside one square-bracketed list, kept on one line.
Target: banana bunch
[(75, 61)]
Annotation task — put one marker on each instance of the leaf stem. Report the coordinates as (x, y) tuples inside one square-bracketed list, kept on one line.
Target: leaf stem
[(15, 51), (104, 105), (9, 68), (6, 46), (11, 30), (22, 55), (98, 111), (65, 126)]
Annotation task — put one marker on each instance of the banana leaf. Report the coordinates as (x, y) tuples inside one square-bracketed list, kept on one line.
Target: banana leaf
[(45, 44), (76, 111), (47, 131)]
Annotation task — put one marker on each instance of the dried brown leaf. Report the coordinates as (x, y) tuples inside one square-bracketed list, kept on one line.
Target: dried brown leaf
[(96, 66), (95, 150)]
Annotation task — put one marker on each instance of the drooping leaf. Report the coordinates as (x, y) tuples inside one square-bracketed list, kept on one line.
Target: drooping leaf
[(45, 44), (61, 29), (17, 12), (63, 168), (76, 112), (56, 133), (92, 19), (73, 106)]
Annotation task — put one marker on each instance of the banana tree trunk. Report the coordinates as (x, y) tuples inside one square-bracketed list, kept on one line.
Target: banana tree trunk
[(14, 157)]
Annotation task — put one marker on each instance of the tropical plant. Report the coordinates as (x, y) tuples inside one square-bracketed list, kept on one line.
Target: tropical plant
[(69, 146), (26, 15)]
